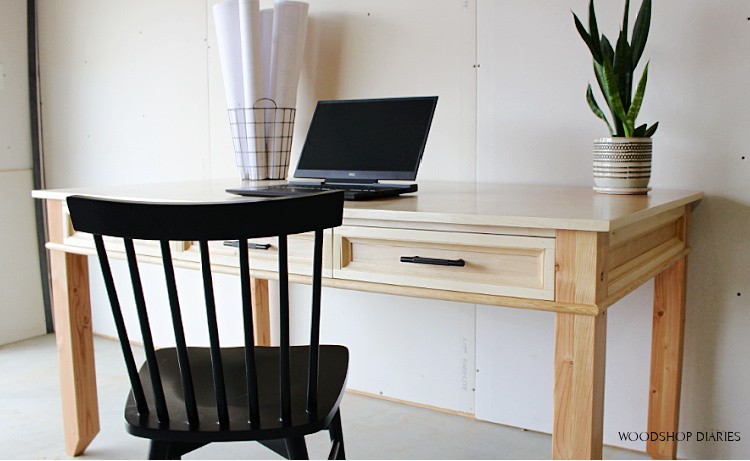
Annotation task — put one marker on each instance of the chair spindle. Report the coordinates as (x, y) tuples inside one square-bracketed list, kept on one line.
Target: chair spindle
[(122, 332), (213, 336), (186, 374), (312, 382), (251, 373), (284, 378), (162, 414), (297, 398)]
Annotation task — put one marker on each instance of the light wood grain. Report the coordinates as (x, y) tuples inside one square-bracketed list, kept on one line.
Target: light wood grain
[(604, 247), (261, 311), (495, 205), (299, 247), (670, 288), (502, 265), (580, 347), (632, 248), (645, 226), (580, 352), (581, 263), (73, 332)]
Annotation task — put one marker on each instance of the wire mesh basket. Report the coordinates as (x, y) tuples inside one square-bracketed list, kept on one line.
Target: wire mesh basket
[(262, 138)]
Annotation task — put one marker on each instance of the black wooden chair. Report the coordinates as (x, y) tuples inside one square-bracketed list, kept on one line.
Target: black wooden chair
[(183, 398)]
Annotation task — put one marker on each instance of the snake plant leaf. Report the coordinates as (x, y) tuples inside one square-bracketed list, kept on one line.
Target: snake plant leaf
[(596, 110), (622, 68), (640, 132), (623, 54), (595, 49), (640, 31), (612, 92), (650, 132), (617, 123), (625, 15), (635, 106), (594, 29), (608, 53)]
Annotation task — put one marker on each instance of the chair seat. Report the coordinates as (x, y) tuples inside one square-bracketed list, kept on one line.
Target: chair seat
[(333, 360)]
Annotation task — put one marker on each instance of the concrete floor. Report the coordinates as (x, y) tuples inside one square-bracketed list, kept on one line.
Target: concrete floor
[(31, 422)]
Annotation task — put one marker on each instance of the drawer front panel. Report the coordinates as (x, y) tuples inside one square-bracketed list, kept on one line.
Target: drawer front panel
[(84, 240), (299, 247), (489, 264)]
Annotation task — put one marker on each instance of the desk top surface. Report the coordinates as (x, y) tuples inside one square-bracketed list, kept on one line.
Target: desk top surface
[(532, 206)]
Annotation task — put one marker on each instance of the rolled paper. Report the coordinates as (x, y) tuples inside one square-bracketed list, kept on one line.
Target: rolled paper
[(252, 84), (288, 46), (227, 23)]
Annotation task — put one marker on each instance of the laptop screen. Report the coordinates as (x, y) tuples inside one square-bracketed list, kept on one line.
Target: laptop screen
[(367, 139)]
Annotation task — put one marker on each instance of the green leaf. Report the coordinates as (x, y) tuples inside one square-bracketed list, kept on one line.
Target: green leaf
[(596, 110), (640, 31), (617, 123), (625, 15), (608, 53), (623, 70), (640, 132), (612, 93), (595, 51), (650, 132), (593, 28), (635, 106), (623, 55)]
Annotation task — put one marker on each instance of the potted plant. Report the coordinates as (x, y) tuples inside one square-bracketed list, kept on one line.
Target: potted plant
[(622, 162)]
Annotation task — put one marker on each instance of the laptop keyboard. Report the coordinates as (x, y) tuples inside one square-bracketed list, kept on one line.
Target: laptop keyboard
[(321, 187)]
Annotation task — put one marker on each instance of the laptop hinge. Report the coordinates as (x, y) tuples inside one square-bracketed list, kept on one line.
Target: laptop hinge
[(350, 181)]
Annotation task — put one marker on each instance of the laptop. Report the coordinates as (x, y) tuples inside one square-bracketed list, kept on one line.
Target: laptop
[(354, 144)]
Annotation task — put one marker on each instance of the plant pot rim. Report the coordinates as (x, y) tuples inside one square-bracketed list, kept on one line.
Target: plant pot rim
[(622, 139)]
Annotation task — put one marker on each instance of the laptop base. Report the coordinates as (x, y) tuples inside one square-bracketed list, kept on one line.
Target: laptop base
[(367, 191)]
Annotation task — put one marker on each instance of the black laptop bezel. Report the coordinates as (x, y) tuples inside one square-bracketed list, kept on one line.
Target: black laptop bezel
[(362, 176)]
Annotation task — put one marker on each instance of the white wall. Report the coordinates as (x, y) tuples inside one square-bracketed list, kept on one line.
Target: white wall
[(534, 126), (21, 304), (132, 93)]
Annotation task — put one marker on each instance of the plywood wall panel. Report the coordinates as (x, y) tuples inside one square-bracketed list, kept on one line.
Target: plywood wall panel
[(15, 137), (534, 126), (123, 90)]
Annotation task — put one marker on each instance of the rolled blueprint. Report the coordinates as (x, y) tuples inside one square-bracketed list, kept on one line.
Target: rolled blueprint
[(261, 59), (227, 23), (266, 36), (255, 164), (287, 49)]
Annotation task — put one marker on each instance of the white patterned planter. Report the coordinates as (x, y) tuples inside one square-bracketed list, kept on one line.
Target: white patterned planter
[(622, 165)]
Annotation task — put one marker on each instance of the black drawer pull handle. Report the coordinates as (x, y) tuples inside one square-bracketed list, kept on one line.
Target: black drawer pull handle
[(252, 246), (433, 261)]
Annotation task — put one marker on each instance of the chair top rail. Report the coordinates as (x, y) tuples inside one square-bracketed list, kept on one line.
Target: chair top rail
[(217, 221)]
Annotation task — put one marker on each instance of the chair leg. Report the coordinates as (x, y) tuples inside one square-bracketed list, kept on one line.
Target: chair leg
[(159, 449), (296, 447), (335, 429)]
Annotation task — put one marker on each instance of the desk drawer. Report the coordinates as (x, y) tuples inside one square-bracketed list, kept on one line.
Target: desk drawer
[(265, 256), (115, 245), (501, 265), (300, 249)]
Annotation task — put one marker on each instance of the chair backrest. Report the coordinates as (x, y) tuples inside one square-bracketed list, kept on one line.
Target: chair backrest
[(203, 222)]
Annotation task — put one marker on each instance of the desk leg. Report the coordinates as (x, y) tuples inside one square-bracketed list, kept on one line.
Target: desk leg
[(75, 350), (75, 346), (261, 313), (580, 346), (580, 349), (666, 357)]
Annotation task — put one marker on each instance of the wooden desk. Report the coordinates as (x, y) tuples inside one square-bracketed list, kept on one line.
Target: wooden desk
[(561, 249)]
